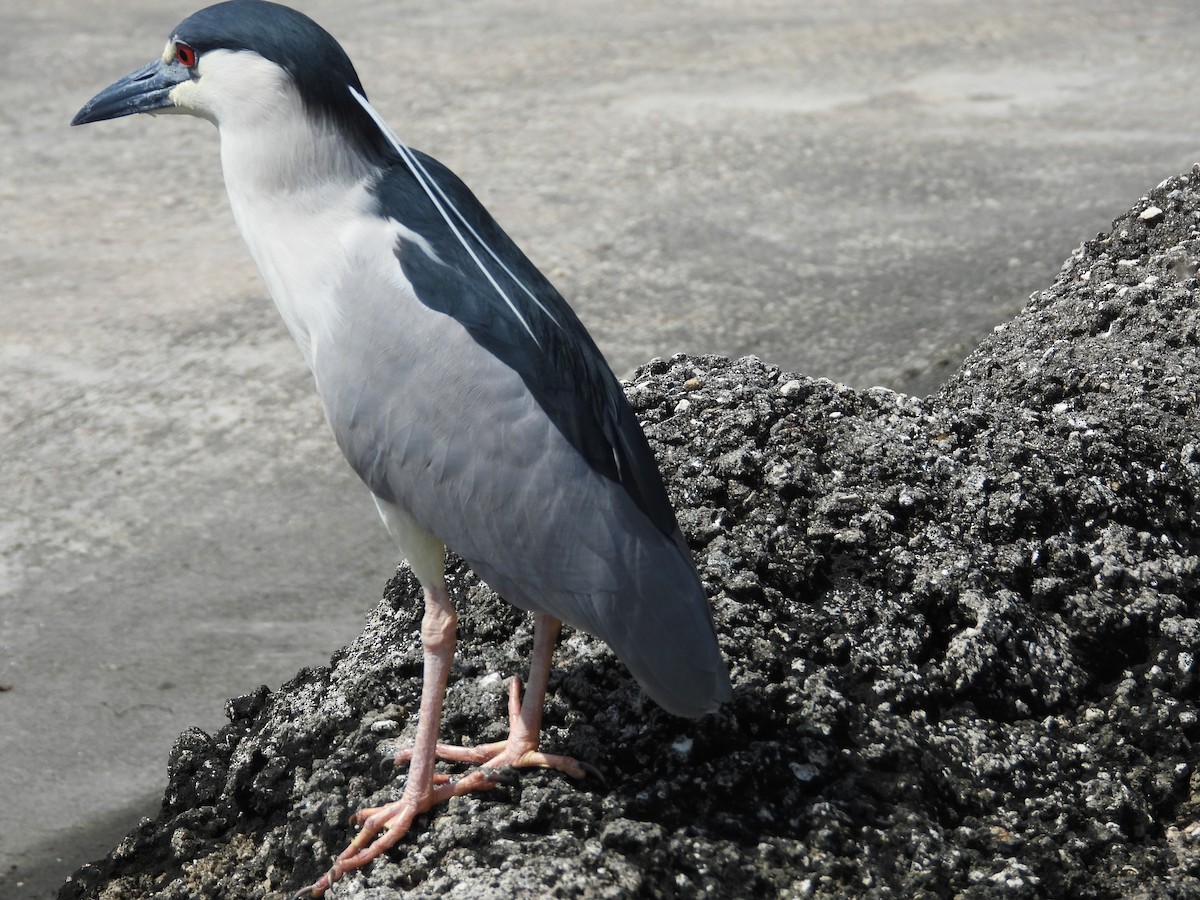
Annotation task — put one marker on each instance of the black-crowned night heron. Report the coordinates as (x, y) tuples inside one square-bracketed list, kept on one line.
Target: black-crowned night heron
[(458, 383)]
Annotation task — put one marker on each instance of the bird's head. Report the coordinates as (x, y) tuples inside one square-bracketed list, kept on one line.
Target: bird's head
[(246, 63)]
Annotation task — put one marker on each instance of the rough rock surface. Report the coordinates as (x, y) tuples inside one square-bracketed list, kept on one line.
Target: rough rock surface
[(962, 633)]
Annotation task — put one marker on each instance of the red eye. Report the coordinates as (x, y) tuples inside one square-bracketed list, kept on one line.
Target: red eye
[(185, 54)]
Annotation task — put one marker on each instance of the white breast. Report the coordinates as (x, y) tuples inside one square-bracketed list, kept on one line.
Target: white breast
[(298, 195), (301, 253)]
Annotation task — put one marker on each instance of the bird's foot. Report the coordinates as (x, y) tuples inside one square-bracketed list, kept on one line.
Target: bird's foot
[(519, 751), (385, 826)]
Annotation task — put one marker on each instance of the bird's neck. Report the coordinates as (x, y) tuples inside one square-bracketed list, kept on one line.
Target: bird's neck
[(294, 188), (290, 158)]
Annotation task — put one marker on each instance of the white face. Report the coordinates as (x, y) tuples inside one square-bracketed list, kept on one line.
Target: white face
[(232, 88)]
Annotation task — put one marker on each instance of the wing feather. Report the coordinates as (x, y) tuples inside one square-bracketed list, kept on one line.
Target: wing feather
[(559, 362), (517, 450)]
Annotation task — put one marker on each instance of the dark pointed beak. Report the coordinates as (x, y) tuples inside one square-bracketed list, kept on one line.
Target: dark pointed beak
[(145, 90)]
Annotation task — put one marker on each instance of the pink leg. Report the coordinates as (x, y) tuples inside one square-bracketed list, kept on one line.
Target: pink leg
[(384, 826), (520, 750)]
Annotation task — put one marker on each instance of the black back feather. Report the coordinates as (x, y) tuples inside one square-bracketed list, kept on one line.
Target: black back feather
[(563, 368)]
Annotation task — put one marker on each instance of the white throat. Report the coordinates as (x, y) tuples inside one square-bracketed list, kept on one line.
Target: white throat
[(295, 187)]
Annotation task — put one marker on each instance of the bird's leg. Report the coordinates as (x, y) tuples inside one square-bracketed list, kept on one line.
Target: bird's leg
[(384, 826), (520, 750)]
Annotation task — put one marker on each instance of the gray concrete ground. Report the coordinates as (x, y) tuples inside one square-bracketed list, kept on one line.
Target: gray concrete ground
[(859, 191)]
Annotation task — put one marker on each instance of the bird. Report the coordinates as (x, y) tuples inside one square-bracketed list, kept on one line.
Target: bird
[(458, 383)]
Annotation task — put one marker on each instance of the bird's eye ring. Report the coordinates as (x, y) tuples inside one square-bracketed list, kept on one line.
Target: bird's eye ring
[(185, 54)]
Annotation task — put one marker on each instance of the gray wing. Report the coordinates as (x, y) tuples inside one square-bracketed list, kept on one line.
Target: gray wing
[(513, 312), (436, 423)]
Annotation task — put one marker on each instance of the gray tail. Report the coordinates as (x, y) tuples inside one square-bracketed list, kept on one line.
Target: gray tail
[(665, 635)]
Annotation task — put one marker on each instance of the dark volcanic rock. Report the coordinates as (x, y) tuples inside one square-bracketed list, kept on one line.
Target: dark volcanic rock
[(962, 633)]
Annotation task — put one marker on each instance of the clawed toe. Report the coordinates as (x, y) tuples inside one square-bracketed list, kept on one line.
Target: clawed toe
[(593, 772), (383, 827)]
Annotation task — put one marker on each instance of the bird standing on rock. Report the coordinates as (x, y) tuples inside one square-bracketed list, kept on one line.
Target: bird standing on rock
[(458, 383)]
